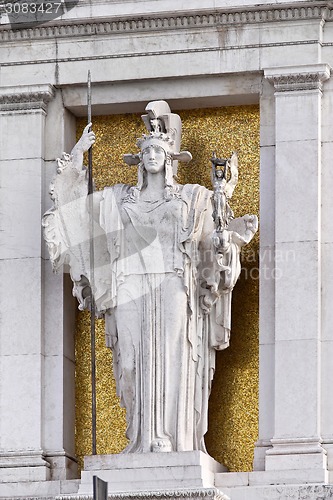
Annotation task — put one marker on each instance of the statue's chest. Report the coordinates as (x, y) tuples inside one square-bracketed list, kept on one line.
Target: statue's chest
[(162, 217), (152, 230)]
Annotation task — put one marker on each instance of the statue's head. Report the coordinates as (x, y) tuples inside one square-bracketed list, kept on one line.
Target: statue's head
[(158, 142), (162, 142), (154, 158)]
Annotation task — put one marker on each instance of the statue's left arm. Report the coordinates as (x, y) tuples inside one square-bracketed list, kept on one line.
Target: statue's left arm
[(220, 268)]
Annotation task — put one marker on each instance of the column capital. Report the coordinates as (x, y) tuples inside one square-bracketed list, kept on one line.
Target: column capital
[(26, 97), (298, 78)]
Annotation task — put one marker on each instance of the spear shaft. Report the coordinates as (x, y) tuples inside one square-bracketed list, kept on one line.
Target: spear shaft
[(92, 280)]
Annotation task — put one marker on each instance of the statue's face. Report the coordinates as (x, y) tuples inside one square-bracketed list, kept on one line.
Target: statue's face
[(154, 159)]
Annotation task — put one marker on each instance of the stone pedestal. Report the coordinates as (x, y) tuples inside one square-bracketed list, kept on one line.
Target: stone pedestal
[(188, 470)]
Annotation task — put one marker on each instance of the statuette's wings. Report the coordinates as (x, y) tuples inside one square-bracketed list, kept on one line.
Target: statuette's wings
[(233, 168)]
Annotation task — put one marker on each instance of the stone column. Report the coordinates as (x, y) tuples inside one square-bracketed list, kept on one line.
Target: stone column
[(327, 273), (297, 443), (267, 275), (59, 317), (30, 387)]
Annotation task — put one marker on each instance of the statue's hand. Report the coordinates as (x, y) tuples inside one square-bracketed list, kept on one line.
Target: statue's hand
[(243, 228), (85, 142), (221, 240), (251, 223), (208, 297)]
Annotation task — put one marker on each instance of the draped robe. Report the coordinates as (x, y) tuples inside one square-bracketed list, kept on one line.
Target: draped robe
[(165, 292)]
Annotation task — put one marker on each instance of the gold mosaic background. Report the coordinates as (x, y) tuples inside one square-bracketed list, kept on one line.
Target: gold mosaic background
[(233, 407)]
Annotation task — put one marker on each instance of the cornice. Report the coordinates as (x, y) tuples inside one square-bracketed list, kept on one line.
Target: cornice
[(299, 78), (322, 10), (26, 98)]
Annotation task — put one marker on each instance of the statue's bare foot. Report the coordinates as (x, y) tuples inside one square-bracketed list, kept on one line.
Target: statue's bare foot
[(161, 445)]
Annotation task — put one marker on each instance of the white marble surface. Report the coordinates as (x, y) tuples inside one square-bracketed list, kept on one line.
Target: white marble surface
[(327, 287), (327, 274), (16, 140), (288, 462), (60, 130), (297, 171), (300, 318), (150, 471), (21, 390), (267, 195), (327, 119), (231, 479), (266, 388), (20, 179), (55, 366), (38, 488), (268, 277), (267, 114), (304, 112), (296, 409), (38, 74), (139, 460), (326, 194), (185, 93), (327, 403), (25, 328), (290, 477)]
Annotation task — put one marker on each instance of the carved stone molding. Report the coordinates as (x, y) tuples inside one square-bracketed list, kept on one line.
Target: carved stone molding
[(182, 494), (322, 10), (306, 492), (283, 492), (26, 98), (298, 78), (23, 459), (29, 498)]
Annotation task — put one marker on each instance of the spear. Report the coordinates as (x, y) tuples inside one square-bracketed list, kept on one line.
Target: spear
[(92, 280)]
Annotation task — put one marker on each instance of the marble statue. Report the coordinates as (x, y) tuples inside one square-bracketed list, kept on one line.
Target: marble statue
[(163, 277)]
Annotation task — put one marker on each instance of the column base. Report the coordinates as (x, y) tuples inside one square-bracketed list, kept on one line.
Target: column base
[(63, 466), (24, 466), (328, 447), (296, 454), (261, 447)]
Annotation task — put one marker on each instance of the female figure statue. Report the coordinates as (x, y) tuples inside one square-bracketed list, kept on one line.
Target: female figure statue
[(163, 280)]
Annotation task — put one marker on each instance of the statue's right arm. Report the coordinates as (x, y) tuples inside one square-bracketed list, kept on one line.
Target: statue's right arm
[(71, 182), (69, 229), (66, 224)]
